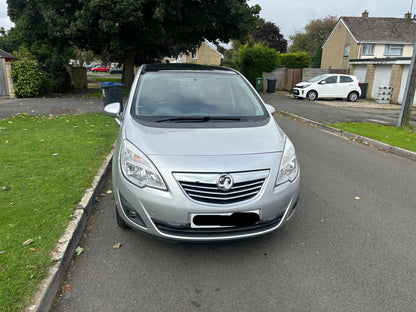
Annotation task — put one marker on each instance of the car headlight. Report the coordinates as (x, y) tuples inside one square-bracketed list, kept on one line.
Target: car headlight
[(289, 167), (138, 169), (303, 86)]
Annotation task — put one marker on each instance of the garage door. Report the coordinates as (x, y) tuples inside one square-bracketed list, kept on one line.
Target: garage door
[(360, 71), (381, 78)]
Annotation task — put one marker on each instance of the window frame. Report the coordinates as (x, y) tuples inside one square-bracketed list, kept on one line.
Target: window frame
[(391, 47), (347, 48), (369, 46)]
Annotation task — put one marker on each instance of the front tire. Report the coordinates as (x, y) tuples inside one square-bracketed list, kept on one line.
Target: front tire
[(312, 95), (120, 222), (352, 96)]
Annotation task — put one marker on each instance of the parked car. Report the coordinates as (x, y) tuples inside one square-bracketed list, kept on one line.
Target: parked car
[(329, 86), (101, 68), (116, 70), (90, 66), (200, 157)]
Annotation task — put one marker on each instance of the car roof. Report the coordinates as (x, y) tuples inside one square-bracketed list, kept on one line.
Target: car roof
[(184, 67)]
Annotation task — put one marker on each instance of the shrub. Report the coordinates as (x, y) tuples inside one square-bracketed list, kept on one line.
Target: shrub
[(254, 60), (296, 59), (27, 78)]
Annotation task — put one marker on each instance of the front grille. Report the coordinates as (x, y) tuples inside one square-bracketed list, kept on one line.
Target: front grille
[(203, 187)]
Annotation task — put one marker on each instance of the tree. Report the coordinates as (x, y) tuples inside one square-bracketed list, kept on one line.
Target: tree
[(254, 60), (134, 32), (269, 34), (312, 38), (295, 59), (42, 29)]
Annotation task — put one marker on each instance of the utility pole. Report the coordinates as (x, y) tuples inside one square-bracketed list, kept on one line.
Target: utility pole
[(409, 94)]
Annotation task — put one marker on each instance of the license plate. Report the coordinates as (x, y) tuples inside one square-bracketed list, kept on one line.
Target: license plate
[(230, 219)]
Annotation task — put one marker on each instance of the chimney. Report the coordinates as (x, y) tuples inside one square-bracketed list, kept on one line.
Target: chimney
[(365, 13), (408, 15)]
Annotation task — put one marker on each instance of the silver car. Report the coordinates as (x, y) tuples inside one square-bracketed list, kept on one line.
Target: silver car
[(200, 157)]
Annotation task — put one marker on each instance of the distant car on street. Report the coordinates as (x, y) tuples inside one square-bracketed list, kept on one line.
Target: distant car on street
[(90, 66), (116, 70), (102, 68), (329, 86)]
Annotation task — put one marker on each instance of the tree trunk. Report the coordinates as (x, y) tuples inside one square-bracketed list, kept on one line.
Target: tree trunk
[(128, 70)]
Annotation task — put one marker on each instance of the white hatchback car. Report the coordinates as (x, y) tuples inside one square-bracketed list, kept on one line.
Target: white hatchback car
[(329, 86)]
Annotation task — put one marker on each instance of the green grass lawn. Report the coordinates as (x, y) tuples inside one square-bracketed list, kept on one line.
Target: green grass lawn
[(115, 79), (399, 137), (46, 164)]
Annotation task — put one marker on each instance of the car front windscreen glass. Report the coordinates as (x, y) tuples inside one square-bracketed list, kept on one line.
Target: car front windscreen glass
[(188, 95), (317, 78)]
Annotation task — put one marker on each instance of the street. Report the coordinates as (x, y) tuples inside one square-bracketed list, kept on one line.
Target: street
[(350, 247)]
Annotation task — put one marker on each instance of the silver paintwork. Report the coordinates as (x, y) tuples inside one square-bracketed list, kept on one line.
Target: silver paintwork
[(203, 154)]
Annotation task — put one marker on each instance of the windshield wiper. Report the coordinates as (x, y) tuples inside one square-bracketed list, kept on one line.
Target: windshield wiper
[(198, 119)]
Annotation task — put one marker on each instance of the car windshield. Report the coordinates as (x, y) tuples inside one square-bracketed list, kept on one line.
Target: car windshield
[(317, 78), (195, 96)]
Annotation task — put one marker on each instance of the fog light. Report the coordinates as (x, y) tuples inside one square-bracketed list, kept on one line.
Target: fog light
[(132, 214)]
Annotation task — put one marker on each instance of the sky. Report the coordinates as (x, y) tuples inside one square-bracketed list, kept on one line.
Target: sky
[(292, 16)]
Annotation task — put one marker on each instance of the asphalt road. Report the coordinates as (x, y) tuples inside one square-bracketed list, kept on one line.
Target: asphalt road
[(327, 114), (350, 247)]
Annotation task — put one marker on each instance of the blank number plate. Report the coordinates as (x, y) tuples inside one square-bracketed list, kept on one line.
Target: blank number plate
[(231, 219)]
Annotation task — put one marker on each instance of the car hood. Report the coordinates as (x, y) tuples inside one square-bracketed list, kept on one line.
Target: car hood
[(268, 138), (303, 83)]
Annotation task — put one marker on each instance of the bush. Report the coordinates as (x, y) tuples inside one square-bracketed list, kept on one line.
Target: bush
[(296, 59), (254, 60), (27, 78)]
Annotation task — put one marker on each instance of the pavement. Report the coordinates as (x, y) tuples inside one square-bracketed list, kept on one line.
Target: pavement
[(317, 114)]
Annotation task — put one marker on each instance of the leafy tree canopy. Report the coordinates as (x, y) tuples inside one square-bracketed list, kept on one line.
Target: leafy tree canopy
[(42, 31), (133, 32), (127, 31), (314, 35), (256, 59), (269, 34)]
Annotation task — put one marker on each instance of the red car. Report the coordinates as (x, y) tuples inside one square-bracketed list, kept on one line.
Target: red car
[(102, 68)]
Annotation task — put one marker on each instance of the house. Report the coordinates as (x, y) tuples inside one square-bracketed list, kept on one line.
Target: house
[(6, 82), (377, 50), (206, 54), (7, 57)]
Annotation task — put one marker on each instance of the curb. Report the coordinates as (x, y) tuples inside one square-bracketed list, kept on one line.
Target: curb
[(353, 137), (63, 252)]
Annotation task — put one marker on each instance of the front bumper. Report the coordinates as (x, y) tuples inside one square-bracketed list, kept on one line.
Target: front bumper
[(167, 214), (298, 92)]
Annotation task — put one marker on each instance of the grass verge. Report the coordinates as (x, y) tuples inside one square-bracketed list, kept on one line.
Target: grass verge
[(115, 79), (47, 163), (399, 137)]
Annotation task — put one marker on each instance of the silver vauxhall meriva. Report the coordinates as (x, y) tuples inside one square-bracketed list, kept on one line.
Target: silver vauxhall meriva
[(200, 158)]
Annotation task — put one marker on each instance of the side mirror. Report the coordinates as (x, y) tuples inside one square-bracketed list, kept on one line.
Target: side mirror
[(270, 109), (322, 82), (114, 110)]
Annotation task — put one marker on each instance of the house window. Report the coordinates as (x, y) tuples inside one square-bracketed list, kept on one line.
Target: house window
[(194, 55), (393, 49), (368, 49), (347, 50)]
